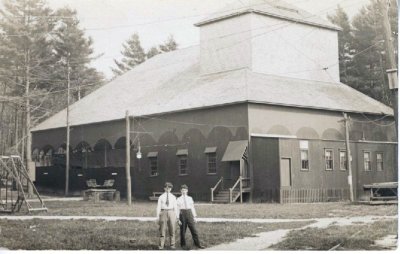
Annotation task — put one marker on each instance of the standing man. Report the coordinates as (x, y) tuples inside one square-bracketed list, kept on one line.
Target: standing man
[(187, 217), (167, 215)]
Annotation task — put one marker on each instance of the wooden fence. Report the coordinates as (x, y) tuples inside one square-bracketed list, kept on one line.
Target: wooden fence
[(288, 196)]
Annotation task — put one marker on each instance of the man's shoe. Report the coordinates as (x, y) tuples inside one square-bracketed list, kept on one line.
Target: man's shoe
[(160, 248), (201, 247), (184, 247), (173, 248)]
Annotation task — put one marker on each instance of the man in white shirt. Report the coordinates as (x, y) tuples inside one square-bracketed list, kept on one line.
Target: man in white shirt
[(167, 215), (187, 217)]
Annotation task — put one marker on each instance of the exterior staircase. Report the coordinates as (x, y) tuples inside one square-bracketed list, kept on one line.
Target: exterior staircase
[(231, 195), (223, 196)]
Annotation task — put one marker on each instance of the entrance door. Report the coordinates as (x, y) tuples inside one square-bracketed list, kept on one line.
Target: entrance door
[(286, 180)]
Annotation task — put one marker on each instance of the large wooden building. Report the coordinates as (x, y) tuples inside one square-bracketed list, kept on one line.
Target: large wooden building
[(258, 104)]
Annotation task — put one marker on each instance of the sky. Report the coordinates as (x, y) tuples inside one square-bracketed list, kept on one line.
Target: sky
[(111, 22)]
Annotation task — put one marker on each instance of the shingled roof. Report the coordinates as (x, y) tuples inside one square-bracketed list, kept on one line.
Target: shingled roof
[(274, 8), (172, 82)]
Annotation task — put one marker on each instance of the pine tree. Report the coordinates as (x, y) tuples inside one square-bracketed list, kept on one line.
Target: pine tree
[(72, 48), (169, 45), (153, 51), (346, 50), (133, 54), (370, 58)]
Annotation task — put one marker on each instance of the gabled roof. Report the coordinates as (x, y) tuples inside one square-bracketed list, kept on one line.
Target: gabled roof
[(274, 8), (172, 82)]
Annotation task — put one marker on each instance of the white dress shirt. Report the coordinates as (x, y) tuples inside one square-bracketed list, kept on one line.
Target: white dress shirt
[(162, 204), (186, 202)]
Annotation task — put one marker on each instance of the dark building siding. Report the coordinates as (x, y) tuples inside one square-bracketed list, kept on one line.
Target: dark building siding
[(318, 177), (265, 168), (193, 130)]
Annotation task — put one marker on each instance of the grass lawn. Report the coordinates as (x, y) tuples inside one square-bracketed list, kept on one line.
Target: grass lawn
[(354, 237), (40, 234), (281, 211)]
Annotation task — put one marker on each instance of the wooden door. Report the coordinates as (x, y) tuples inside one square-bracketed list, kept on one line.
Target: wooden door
[(285, 175)]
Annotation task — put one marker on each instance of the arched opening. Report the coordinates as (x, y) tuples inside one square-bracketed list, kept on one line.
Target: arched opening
[(121, 143), (101, 152), (46, 156), (35, 156), (81, 154)]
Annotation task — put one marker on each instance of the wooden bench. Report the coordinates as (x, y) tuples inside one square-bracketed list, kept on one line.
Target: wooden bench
[(382, 193), (157, 194), (96, 194)]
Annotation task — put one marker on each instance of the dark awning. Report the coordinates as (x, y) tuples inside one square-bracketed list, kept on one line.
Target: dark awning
[(182, 152), (152, 154), (235, 150), (210, 149)]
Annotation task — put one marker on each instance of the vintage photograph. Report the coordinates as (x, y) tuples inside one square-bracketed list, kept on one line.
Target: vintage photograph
[(199, 125)]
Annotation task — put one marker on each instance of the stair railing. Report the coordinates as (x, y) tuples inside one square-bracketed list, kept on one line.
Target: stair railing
[(220, 181), (239, 181)]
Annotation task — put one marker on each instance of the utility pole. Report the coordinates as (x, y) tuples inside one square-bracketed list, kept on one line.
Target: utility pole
[(128, 160), (348, 155), (28, 118), (392, 71), (68, 132)]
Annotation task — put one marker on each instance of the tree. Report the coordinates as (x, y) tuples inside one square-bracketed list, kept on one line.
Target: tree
[(73, 49), (26, 48), (169, 45), (370, 58), (153, 51), (35, 43), (346, 51), (133, 54)]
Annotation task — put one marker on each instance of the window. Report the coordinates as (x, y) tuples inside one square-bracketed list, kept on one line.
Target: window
[(182, 165), (367, 161), (304, 155), (153, 166), (343, 160), (379, 161), (211, 163), (328, 159)]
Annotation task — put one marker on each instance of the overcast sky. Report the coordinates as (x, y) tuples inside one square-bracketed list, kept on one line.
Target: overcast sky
[(111, 22)]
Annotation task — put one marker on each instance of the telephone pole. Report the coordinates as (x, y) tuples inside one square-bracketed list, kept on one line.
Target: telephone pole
[(68, 132), (128, 160), (348, 155), (389, 49)]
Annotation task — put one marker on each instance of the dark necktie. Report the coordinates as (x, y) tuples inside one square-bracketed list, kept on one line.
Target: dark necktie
[(167, 203)]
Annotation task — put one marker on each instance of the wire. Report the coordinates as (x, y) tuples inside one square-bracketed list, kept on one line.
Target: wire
[(192, 123)]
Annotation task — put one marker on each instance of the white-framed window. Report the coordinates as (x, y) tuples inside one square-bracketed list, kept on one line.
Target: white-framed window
[(328, 159), (211, 163), (367, 161), (343, 159), (379, 161), (153, 166), (183, 164), (304, 156)]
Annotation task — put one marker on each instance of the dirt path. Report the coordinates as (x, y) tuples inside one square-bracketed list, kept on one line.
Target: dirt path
[(264, 240)]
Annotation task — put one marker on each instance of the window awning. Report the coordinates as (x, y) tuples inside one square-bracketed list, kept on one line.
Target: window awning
[(152, 154), (210, 149), (182, 152), (235, 150)]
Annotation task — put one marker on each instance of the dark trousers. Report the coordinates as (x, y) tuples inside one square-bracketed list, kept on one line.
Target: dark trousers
[(186, 218)]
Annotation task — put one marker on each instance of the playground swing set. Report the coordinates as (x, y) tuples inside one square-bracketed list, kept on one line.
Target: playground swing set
[(15, 184)]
